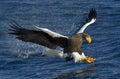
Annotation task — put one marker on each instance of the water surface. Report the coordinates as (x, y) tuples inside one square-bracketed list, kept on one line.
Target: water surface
[(59, 16)]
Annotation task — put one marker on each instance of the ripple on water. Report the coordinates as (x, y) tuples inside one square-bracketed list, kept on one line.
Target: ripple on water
[(79, 73)]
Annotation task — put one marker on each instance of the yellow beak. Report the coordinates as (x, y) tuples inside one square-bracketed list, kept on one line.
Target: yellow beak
[(88, 39)]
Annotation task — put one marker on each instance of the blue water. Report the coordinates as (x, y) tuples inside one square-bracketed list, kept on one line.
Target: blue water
[(59, 16)]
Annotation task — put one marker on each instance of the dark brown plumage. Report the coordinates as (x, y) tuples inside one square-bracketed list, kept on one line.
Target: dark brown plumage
[(36, 36), (75, 43)]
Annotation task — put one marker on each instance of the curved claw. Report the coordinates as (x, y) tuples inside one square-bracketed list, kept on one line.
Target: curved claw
[(90, 59)]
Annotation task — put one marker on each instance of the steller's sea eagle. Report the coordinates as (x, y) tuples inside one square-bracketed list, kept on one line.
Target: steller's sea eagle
[(51, 40)]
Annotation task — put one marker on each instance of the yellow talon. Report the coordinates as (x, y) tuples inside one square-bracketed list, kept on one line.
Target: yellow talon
[(90, 59)]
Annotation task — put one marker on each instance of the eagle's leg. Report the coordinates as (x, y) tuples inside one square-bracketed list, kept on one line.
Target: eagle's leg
[(68, 57)]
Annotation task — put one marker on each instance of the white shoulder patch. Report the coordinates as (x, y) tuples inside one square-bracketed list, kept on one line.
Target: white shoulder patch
[(86, 25), (51, 33)]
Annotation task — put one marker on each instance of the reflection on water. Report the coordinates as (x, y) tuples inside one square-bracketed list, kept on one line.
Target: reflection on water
[(82, 73)]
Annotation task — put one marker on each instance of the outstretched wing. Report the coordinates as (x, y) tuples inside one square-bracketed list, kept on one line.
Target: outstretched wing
[(90, 20), (41, 36)]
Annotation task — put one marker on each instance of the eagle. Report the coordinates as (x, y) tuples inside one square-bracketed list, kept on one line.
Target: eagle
[(51, 40)]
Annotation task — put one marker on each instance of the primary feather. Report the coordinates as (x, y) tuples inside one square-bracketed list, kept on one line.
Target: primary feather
[(40, 36)]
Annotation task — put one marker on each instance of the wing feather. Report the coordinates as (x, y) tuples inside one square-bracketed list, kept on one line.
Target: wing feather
[(51, 33), (90, 20), (40, 37)]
